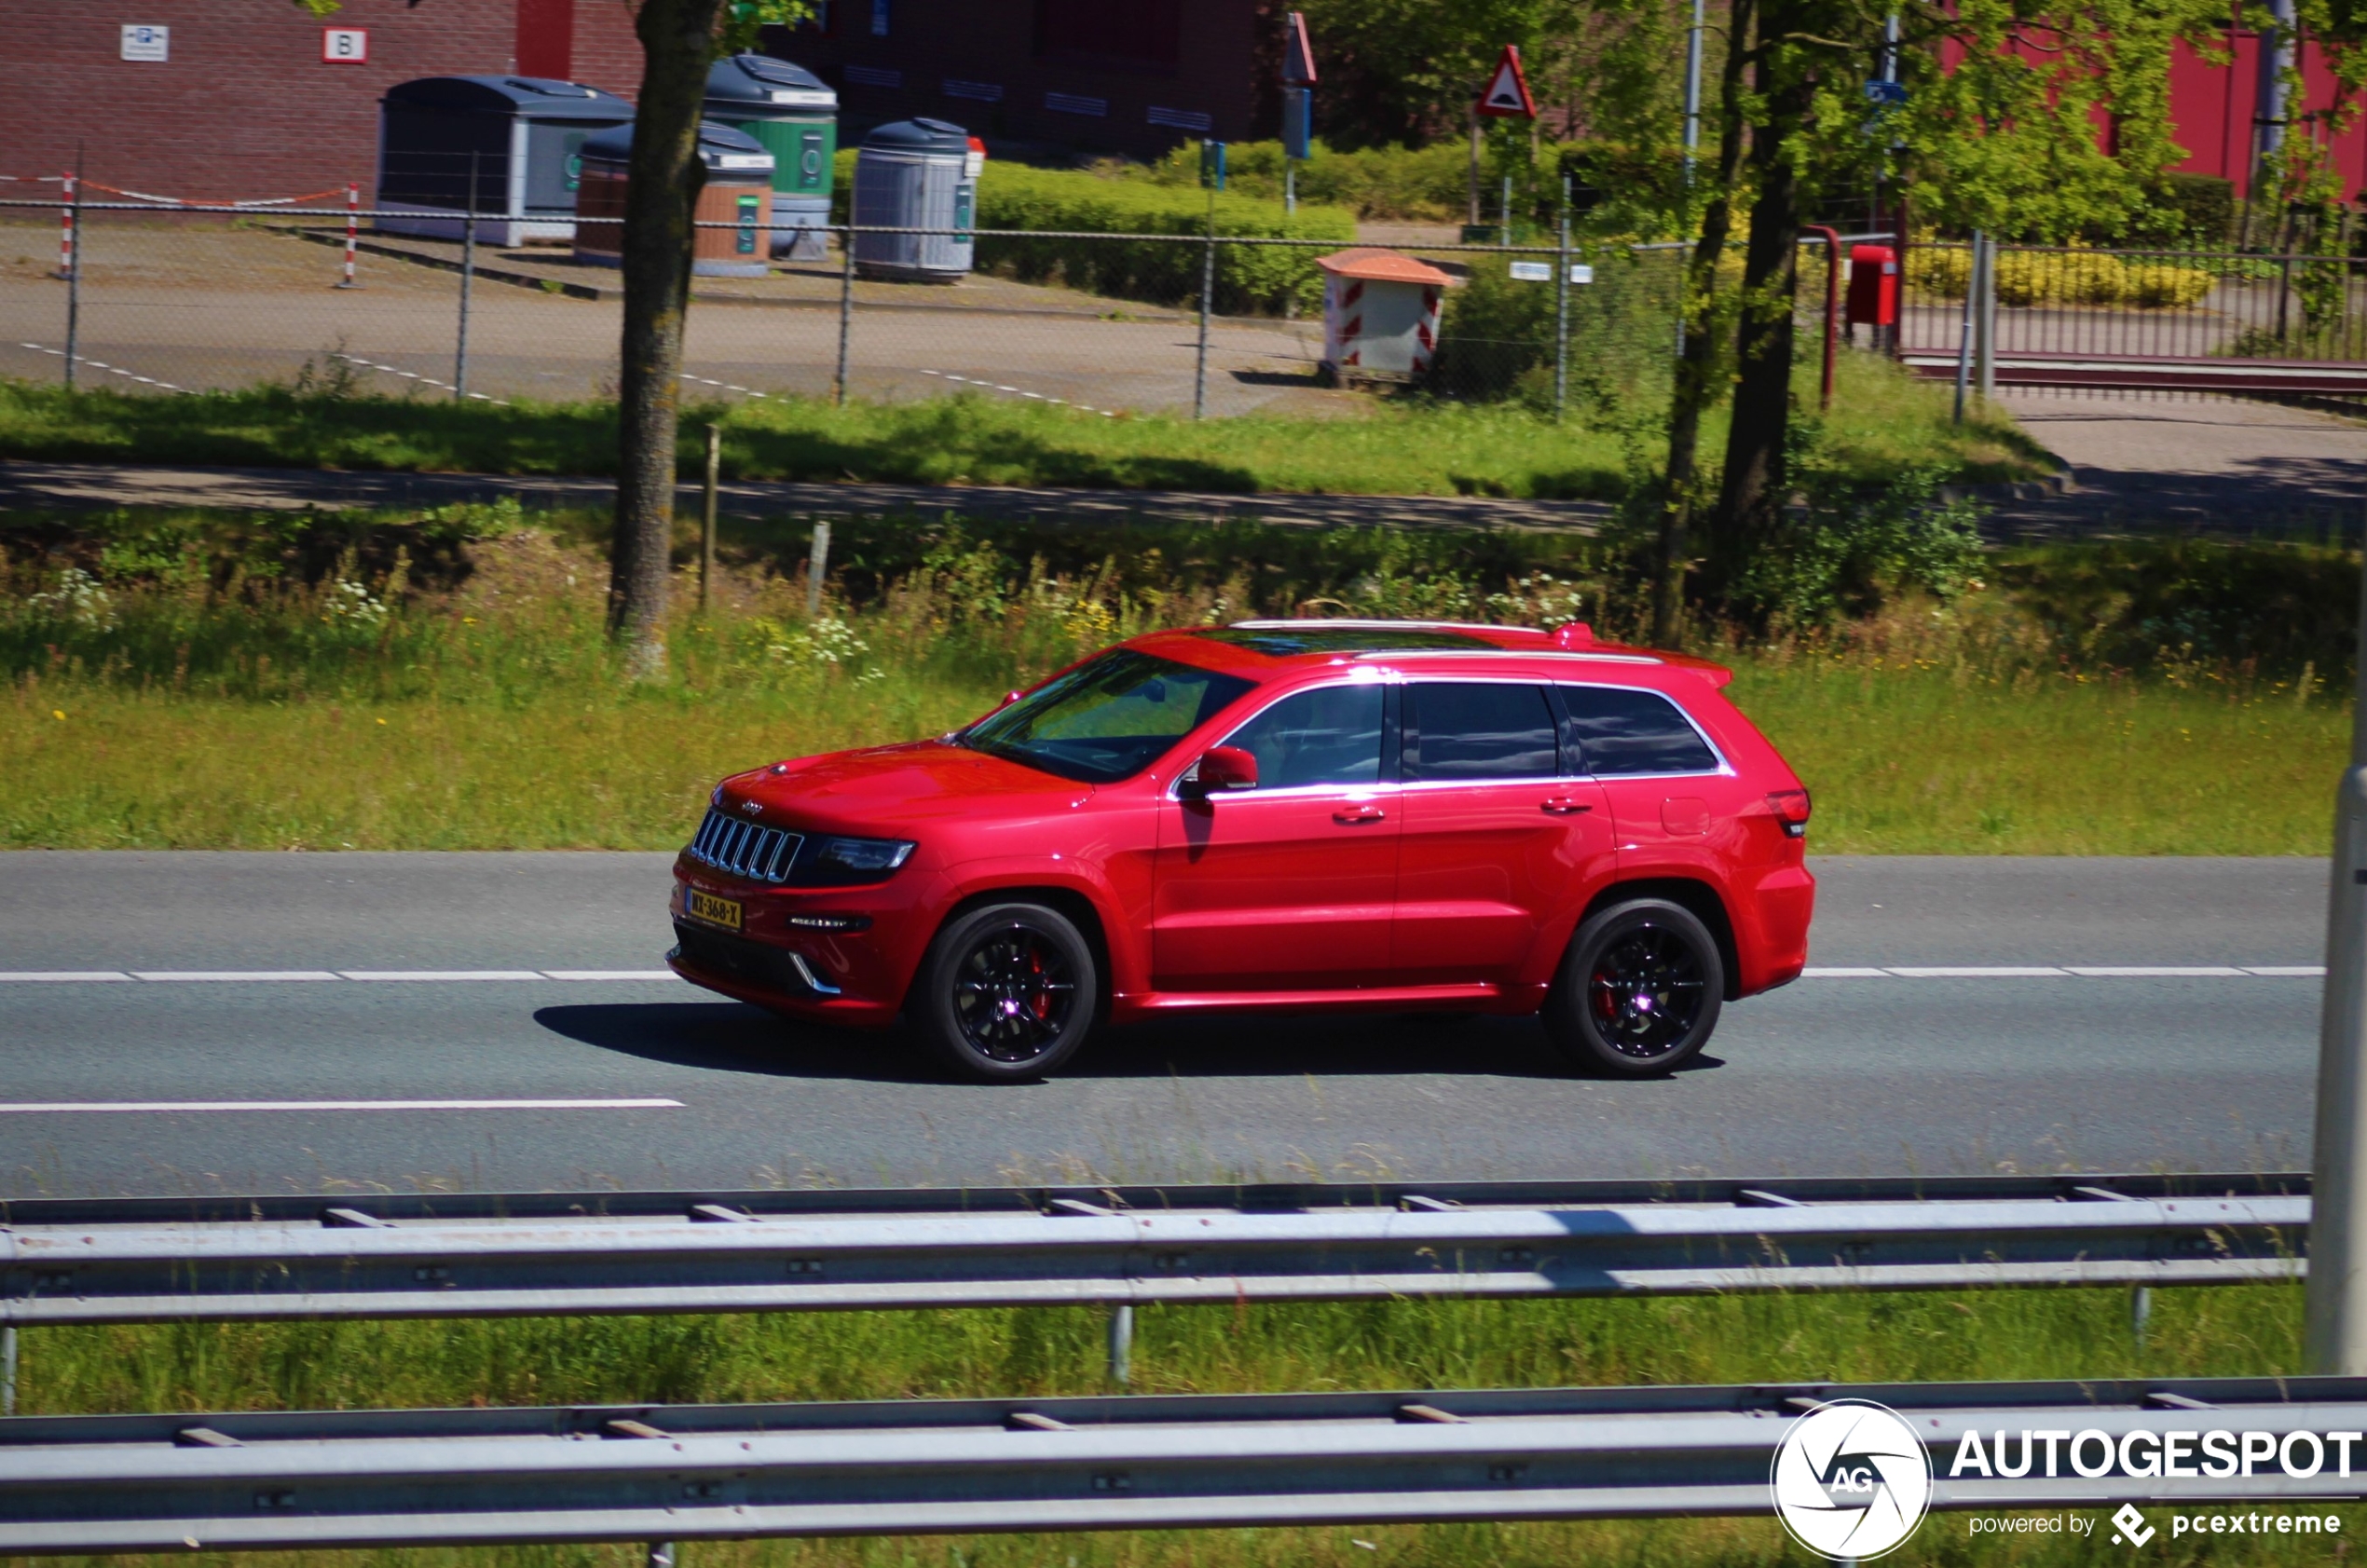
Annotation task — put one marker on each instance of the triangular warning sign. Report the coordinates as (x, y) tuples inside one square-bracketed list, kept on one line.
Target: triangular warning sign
[(1507, 95)]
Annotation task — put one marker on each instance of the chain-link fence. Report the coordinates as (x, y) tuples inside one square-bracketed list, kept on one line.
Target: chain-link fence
[(491, 310)]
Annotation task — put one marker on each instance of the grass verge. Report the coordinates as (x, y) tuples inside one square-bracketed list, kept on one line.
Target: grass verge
[(1401, 1345), (444, 683), (1883, 422)]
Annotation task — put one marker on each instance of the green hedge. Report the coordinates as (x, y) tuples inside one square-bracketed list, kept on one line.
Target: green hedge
[(1249, 278)]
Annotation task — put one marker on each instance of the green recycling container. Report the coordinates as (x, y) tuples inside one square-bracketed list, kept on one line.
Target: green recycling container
[(795, 116)]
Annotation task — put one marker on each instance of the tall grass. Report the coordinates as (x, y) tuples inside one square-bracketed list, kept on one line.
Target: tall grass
[(202, 684)]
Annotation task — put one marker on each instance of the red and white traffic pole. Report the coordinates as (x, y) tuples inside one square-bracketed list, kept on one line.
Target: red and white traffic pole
[(65, 231), (352, 229)]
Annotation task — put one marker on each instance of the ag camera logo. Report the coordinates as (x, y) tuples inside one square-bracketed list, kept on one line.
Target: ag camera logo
[(1850, 1480)]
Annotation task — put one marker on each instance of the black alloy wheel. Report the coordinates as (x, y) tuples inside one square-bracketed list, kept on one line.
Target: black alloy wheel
[(1639, 990), (1008, 993)]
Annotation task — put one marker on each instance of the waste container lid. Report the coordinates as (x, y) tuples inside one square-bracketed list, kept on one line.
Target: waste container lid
[(720, 148), (541, 97), (920, 136), (1378, 265), (759, 78)]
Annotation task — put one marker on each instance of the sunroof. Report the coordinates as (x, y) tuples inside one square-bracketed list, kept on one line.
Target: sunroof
[(1281, 642)]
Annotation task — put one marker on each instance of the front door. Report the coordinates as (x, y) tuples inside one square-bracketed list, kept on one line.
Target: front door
[(1499, 842), (1288, 886)]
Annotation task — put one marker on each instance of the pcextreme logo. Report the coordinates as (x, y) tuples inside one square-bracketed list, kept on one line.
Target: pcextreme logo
[(1851, 1480), (2133, 1530)]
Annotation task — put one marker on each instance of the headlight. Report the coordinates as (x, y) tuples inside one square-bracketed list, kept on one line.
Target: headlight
[(856, 859)]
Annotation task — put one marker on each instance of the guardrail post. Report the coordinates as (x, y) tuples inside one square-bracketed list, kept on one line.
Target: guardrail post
[(706, 519), (8, 1369), (1208, 296), (661, 1554), (846, 312), (818, 569), (1122, 1345), (2336, 1310), (2140, 1313)]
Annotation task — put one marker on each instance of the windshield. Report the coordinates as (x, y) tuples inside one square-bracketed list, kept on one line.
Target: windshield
[(1108, 718)]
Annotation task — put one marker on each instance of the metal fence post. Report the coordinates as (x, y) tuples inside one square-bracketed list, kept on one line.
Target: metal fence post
[(1562, 307), (2336, 1310), (2140, 1314), (1985, 334), (661, 1554), (467, 271), (1208, 296), (846, 311), (8, 1369), (1122, 1346), (1964, 332), (74, 272)]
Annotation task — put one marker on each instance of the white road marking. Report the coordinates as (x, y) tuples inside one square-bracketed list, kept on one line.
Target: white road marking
[(269, 976), (1813, 973), (2156, 972), (1995, 972), (2080, 972), (998, 386), (232, 974), (111, 370), (2296, 970), (53, 1107), (422, 380)]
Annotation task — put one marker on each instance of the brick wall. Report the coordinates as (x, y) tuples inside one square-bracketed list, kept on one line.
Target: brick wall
[(245, 107), (1016, 48)]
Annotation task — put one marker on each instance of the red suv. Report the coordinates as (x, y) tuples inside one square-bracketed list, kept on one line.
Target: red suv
[(1313, 815)]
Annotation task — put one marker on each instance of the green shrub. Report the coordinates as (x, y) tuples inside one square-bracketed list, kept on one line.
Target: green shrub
[(1394, 184), (1495, 334), (1248, 277)]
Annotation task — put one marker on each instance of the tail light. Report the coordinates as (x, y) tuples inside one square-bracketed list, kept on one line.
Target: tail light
[(1791, 808)]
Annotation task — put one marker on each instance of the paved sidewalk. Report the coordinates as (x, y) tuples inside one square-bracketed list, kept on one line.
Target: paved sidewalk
[(2211, 465), (98, 486)]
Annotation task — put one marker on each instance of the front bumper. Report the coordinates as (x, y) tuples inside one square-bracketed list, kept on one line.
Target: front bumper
[(855, 977)]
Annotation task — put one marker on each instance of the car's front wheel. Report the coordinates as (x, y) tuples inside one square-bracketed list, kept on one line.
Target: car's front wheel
[(1638, 991), (1008, 991)]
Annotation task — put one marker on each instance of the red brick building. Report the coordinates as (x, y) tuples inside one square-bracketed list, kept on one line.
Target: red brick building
[(1131, 76), (238, 98)]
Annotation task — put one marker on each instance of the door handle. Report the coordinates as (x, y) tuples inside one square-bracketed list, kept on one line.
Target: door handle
[(1563, 806), (1351, 816)]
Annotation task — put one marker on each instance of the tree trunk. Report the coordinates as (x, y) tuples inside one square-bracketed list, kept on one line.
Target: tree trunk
[(677, 45), (1697, 369), (1752, 494)]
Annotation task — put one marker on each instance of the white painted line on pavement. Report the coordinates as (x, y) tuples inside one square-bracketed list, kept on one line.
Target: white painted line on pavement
[(1814, 974), (442, 975), (232, 974), (2293, 970), (2156, 972), (47, 976), (612, 975), (52, 1107), (1995, 972)]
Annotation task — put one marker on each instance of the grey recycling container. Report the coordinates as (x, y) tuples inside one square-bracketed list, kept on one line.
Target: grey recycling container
[(518, 139), (795, 114), (916, 174)]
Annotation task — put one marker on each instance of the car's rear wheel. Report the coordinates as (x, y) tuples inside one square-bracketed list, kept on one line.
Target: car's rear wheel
[(1008, 991), (1639, 989)]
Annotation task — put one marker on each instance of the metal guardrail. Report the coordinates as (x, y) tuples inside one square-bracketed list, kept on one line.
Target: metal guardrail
[(78, 1262), (417, 1477)]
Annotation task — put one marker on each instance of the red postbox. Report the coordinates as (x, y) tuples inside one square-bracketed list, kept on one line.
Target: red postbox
[(1873, 286)]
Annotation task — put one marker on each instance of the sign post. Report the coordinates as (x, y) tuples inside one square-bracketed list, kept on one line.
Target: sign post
[(1506, 97), (2334, 1309), (1298, 104)]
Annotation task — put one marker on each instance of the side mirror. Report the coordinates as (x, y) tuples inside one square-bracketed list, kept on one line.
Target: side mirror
[(1220, 770)]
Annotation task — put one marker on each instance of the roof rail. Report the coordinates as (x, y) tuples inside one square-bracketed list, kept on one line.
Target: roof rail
[(1380, 626)]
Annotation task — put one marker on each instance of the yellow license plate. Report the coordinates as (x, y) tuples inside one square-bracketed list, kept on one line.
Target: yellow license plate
[(717, 911)]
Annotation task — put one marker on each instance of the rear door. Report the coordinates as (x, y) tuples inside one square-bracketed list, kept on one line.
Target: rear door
[(1289, 886), (1671, 797), (1499, 837)]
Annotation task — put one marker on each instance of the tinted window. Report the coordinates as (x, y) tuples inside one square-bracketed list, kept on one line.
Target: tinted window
[(1617, 731), (1329, 736), (1459, 729), (1108, 718)]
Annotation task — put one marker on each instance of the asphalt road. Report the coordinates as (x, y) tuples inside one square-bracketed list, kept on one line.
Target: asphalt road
[(222, 1085)]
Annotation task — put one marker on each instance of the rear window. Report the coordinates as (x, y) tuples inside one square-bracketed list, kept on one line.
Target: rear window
[(1616, 730)]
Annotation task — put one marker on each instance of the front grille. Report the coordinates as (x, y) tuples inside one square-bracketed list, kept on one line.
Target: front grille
[(736, 958), (728, 843)]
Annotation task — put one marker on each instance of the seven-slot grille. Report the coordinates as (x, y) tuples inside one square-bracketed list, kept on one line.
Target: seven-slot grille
[(744, 849)]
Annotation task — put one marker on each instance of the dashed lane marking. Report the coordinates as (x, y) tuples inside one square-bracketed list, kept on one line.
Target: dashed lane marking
[(151, 1105)]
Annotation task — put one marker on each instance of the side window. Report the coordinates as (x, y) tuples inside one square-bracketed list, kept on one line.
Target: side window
[(1331, 735), (1478, 730), (1616, 732)]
